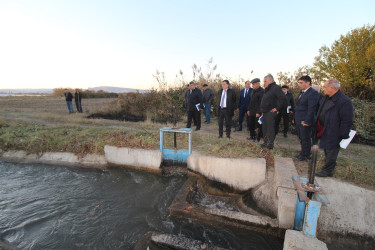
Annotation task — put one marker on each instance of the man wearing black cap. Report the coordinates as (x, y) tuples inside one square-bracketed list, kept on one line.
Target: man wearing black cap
[(226, 104), (285, 112), (273, 101), (243, 104), (194, 105), (254, 110), (208, 97)]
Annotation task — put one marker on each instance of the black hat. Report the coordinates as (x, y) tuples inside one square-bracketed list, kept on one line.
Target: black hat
[(191, 82), (255, 80), (205, 85)]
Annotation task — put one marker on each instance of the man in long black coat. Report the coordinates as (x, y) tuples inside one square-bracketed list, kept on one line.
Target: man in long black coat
[(194, 105), (273, 102), (334, 120), (226, 103)]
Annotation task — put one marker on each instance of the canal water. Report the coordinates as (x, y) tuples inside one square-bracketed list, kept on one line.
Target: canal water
[(57, 207)]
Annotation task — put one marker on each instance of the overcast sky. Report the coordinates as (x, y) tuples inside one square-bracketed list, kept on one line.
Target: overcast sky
[(76, 43)]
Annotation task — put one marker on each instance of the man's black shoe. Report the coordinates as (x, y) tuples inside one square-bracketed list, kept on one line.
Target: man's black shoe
[(228, 136), (197, 129), (220, 136), (323, 174), (266, 147), (302, 158), (285, 135)]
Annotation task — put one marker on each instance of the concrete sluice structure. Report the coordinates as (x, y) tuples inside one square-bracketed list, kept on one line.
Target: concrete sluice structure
[(242, 194)]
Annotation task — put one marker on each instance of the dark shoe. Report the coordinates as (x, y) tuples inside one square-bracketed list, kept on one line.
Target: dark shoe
[(258, 140), (237, 130), (197, 129), (324, 174), (285, 135), (302, 158), (220, 136), (266, 147), (228, 136)]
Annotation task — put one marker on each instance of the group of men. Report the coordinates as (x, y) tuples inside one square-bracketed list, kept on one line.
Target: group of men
[(327, 118)]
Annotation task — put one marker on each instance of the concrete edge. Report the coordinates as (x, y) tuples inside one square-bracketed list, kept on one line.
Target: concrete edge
[(297, 240)]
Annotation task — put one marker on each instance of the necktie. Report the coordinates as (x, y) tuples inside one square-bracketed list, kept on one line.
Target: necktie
[(245, 93), (223, 98), (301, 94)]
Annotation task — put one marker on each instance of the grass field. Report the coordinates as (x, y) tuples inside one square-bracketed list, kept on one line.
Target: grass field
[(40, 124)]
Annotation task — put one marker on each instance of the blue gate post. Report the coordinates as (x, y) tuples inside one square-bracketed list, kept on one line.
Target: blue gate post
[(310, 226)]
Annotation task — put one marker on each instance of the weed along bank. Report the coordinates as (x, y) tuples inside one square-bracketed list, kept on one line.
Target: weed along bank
[(245, 196)]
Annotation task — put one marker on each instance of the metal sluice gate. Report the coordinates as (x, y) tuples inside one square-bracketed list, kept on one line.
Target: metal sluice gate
[(174, 155), (310, 198)]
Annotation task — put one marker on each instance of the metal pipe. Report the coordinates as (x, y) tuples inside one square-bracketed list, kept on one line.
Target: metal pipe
[(175, 140)]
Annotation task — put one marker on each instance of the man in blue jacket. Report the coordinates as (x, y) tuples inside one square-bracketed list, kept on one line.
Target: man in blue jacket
[(306, 107), (243, 104), (334, 121)]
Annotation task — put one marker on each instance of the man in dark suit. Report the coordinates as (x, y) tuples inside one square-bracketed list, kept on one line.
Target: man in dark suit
[(243, 104), (306, 106), (226, 104), (254, 110), (335, 118), (194, 105), (285, 112), (273, 101)]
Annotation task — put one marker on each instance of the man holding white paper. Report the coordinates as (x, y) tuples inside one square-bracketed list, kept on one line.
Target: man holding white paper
[(334, 122)]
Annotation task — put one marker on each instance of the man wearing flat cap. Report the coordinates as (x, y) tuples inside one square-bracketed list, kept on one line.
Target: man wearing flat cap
[(254, 110), (208, 97), (194, 105)]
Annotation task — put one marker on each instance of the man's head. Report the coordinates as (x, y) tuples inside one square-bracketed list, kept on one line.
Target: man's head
[(191, 85), (285, 88), (255, 83), (225, 84), (66, 90), (268, 79), (205, 86), (331, 87), (316, 87), (247, 84), (304, 82)]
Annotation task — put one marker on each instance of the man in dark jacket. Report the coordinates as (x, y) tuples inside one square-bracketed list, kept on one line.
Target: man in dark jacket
[(77, 100), (208, 97), (226, 103), (286, 112), (243, 104), (194, 105), (306, 107), (68, 99), (254, 110), (273, 101), (335, 120)]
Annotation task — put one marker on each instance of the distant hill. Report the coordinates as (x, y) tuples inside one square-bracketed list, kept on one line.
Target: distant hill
[(50, 91), (26, 91), (117, 89)]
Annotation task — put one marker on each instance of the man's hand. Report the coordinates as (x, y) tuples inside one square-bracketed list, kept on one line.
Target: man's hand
[(273, 110), (238, 109), (305, 124), (248, 113), (257, 115)]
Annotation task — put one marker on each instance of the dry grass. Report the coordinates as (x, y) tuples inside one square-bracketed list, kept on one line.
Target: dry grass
[(39, 124)]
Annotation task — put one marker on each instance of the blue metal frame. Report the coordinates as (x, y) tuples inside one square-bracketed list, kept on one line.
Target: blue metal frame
[(174, 155), (308, 210)]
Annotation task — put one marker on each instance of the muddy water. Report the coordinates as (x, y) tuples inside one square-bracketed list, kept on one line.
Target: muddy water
[(56, 207)]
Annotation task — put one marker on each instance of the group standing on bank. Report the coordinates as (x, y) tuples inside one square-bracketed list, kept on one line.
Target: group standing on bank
[(318, 119)]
